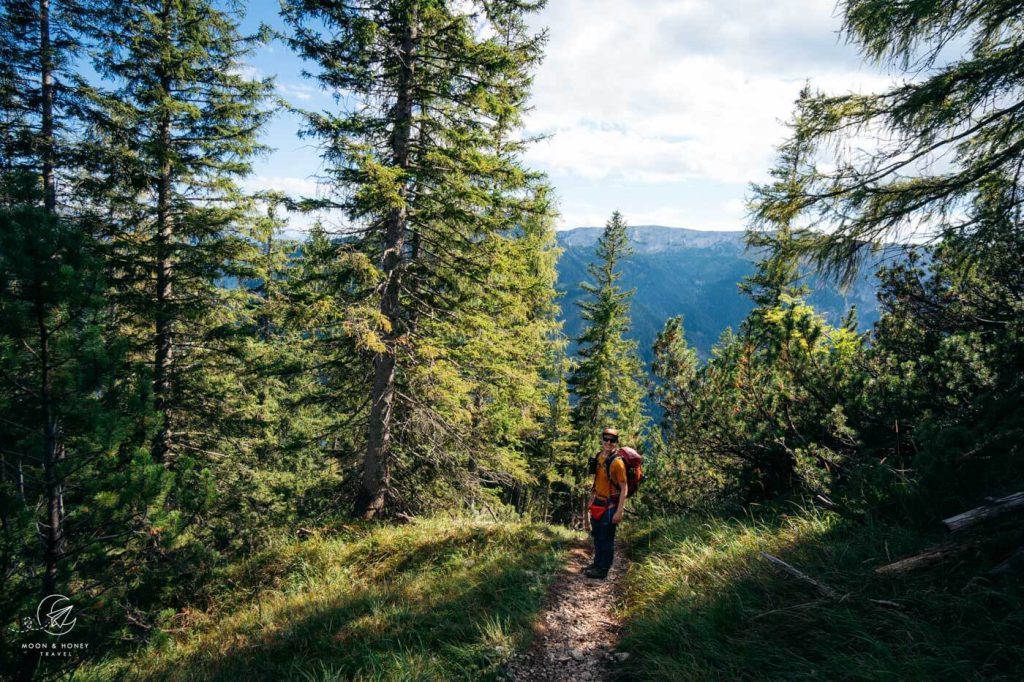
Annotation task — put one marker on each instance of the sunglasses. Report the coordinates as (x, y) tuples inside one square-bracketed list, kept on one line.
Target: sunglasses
[(609, 439)]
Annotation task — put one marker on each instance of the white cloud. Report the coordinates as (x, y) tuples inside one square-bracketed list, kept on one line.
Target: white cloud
[(659, 91), (299, 91), (296, 188)]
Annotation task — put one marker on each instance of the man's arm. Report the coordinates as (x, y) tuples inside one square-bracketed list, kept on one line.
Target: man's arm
[(623, 492), (586, 508)]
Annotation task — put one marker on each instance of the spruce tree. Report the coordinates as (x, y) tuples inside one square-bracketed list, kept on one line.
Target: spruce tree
[(69, 486), (427, 169), (180, 100), (36, 241), (552, 451), (674, 367), (607, 379), (175, 125)]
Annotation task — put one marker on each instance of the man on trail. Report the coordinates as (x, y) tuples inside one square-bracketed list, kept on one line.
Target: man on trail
[(607, 502)]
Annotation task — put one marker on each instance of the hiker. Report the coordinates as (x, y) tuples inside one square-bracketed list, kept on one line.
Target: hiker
[(603, 512)]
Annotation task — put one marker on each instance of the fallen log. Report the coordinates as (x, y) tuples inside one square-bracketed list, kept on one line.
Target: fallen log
[(821, 587), (928, 556), (800, 575), (990, 510)]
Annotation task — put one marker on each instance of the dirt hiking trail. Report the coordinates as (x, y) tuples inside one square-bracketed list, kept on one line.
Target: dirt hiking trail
[(575, 634)]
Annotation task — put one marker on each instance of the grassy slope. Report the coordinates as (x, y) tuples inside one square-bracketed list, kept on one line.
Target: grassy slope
[(437, 599), (701, 605)]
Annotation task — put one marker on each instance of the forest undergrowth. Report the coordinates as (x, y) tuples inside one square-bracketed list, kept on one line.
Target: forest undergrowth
[(437, 599), (702, 603)]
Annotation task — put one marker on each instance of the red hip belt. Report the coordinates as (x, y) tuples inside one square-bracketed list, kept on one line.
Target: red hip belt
[(598, 508)]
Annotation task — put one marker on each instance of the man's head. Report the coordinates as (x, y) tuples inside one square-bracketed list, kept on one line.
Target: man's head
[(609, 440)]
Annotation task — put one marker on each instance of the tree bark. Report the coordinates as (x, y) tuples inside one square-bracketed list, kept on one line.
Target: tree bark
[(377, 463), (800, 575), (46, 79), (164, 234), (991, 510), (927, 557), (53, 451)]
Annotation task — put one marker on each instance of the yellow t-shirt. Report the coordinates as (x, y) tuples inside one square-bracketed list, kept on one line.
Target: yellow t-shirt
[(618, 470)]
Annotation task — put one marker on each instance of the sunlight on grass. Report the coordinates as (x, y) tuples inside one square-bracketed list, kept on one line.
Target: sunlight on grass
[(700, 603), (436, 599)]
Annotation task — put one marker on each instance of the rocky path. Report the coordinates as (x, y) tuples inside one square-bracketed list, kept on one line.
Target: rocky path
[(575, 636)]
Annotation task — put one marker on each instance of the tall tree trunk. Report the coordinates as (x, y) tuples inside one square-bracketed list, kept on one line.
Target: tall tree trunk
[(164, 318), (377, 463), (53, 451), (46, 78)]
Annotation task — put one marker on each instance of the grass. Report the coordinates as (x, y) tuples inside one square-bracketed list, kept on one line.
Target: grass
[(454, 600), (433, 600), (700, 604)]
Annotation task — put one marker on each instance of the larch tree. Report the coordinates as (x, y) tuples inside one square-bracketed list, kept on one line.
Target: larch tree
[(424, 159), (909, 161)]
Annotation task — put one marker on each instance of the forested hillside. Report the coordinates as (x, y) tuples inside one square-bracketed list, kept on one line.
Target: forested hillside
[(696, 274), (365, 449)]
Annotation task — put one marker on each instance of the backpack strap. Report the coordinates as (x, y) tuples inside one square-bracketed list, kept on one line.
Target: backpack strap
[(608, 470)]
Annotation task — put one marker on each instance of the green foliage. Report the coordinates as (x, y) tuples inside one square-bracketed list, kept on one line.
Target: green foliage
[(948, 359), (169, 129), (173, 127), (442, 599), (552, 454), (65, 442), (965, 109), (922, 417), (607, 379), (457, 233), (701, 603), (181, 388), (767, 415)]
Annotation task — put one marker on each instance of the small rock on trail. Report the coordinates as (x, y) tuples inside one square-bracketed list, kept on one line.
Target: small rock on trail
[(575, 636)]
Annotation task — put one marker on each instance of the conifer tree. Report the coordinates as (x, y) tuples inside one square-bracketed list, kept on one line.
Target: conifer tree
[(35, 240), (674, 473), (427, 170), (607, 380), (272, 414), (552, 452), (69, 485), (174, 124), (174, 131), (928, 145), (675, 367)]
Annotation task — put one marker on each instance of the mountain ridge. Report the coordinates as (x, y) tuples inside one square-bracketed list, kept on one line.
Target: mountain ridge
[(694, 273)]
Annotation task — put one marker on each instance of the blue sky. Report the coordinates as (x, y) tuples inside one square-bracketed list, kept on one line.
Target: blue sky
[(663, 109)]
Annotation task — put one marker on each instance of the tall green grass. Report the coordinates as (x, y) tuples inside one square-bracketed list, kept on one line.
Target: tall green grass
[(701, 604), (434, 600)]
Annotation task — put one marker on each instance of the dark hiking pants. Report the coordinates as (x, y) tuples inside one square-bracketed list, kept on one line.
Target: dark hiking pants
[(603, 531)]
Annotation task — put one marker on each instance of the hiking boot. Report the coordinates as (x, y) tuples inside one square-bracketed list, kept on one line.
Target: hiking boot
[(595, 572)]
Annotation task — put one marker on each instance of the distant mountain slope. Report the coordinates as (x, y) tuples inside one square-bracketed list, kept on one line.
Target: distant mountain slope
[(693, 273)]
